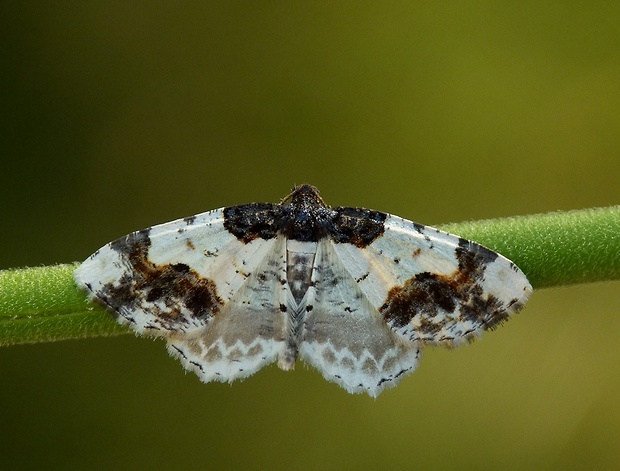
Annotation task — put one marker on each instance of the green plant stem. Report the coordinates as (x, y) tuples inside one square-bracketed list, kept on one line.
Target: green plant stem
[(43, 304), (554, 249)]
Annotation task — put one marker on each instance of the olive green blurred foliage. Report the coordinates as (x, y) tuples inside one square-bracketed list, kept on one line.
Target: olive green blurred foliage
[(118, 115)]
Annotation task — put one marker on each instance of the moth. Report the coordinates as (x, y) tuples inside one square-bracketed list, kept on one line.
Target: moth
[(354, 292)]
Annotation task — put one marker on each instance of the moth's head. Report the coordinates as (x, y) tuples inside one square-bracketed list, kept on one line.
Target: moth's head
[(304, 195)]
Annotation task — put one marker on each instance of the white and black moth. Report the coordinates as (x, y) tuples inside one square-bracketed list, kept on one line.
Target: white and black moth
[(354, 292)]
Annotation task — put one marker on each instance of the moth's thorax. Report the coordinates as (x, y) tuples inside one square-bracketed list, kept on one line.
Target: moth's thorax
[(305, 220)]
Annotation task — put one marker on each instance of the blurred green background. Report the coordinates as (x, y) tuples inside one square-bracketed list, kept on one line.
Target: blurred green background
[(119, 115)]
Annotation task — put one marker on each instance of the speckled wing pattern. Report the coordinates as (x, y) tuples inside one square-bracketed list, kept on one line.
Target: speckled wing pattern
[(354, 292)]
